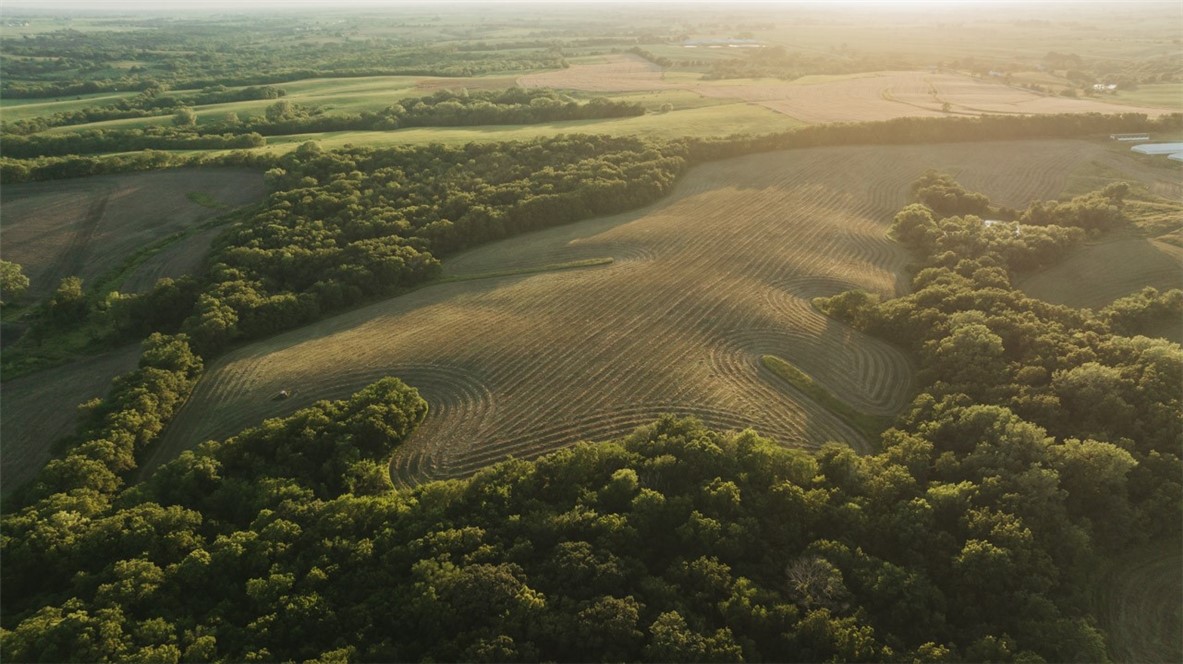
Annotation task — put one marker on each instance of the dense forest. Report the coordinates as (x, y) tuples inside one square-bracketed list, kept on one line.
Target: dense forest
[(1042, 439), (196, 54)]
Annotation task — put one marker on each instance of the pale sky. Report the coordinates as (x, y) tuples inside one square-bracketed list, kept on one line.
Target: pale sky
[(248, 5)]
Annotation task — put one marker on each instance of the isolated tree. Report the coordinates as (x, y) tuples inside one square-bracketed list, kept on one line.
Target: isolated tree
[(280, 110), (13, 282), (184, 117), (68, 302)]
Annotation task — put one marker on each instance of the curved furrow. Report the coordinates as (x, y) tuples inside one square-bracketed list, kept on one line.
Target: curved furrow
[(602, 426)]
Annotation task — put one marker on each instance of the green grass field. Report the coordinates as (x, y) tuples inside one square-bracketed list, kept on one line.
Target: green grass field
[(1163, 95), (23, 109), (718, 120)]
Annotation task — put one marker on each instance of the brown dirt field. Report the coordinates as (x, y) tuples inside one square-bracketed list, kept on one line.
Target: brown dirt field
[(87, 226), (1096, 275), (701, 286), (41, 408), (176, 260), (881, 96)]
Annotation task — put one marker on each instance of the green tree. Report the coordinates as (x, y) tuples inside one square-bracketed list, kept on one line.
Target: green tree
[(184, 117), (68, 303), (13, 282)]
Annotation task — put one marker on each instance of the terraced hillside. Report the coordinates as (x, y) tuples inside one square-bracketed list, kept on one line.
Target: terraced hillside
[(700, 287)]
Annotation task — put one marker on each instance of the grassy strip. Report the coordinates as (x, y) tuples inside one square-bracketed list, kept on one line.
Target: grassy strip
[(870, 426), (553, 267), (204, 200)]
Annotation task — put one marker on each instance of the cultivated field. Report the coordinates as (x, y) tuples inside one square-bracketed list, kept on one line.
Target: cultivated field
[(41, 408), (619, 73), (879, 96), (88, 226), (1136, 601), (701, 286), (1098, 274)]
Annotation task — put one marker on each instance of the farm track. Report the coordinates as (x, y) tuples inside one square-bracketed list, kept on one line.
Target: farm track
[(703, 283), (74, 257)]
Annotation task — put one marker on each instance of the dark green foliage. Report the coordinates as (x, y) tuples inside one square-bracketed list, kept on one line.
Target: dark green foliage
[(675, 544), (67, 305), (200, 55), (92, 141), (441, 109)]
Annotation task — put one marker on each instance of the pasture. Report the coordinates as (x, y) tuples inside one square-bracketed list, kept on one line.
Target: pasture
[(89, 226), (701, 286)]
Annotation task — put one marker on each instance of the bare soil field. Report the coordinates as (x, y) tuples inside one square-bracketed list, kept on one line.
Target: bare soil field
[(701, 285), (1096, 275), (621, 73), (87, 226), (879, 96), (178, 259), (41, 408)]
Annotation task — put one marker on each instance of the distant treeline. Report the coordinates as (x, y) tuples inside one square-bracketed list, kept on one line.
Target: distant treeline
[(697, 150), (445, 108), (442, 109), (95, 141), (152, 102)]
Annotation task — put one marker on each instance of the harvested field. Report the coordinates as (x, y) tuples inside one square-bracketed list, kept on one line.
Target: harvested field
[(1136, 601), (621, 73), (87, 226), (41, 408), (702, 285), (178, 259), (1098, 274), (881, 96)]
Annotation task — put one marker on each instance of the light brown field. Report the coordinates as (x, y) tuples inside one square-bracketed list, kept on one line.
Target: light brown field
[(879, 96), (41, 408), (701, 286), (87, 226), (1096, 275), (620, 73)]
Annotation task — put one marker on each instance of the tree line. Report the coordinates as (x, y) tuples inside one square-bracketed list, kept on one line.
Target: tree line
[(698, 150), (441, 109), (197, 54), (152, 102)]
